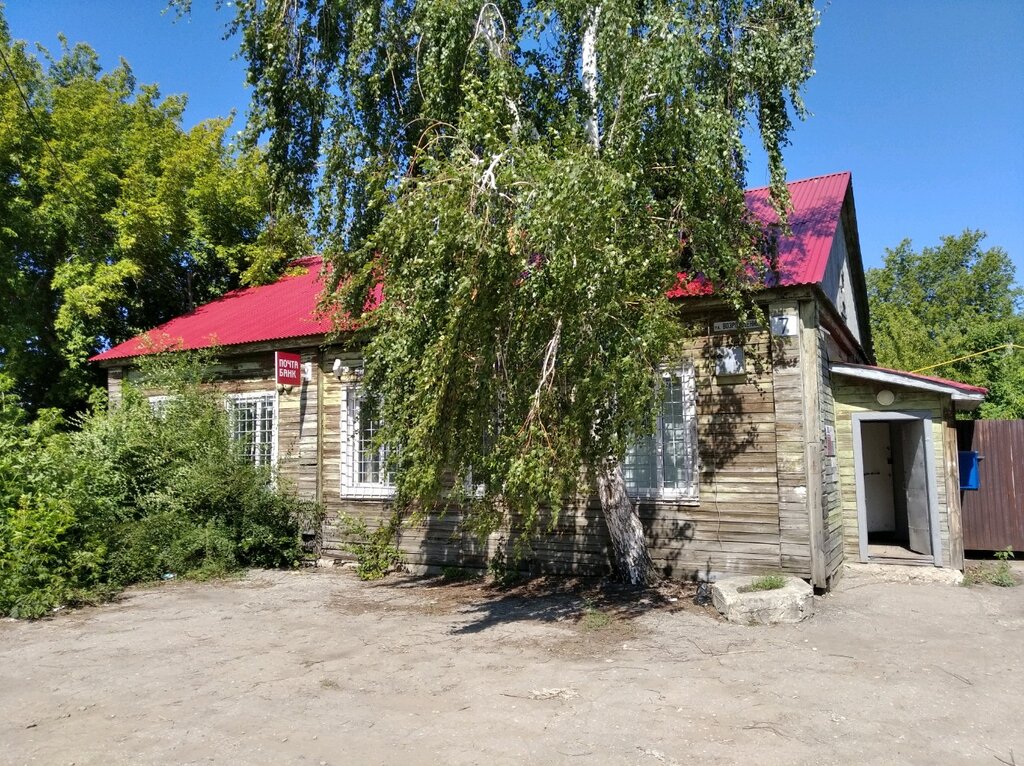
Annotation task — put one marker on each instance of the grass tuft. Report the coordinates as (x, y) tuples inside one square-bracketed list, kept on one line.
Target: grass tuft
[(767, 582)]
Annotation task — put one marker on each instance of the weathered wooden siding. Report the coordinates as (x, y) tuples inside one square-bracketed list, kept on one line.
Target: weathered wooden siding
[(296, 413), (297, 432), (832, 351), (831, 504), (953, 499), (859, 396), (371, 511), (756, 440), (114, 377), (734, 527), (791, 460)]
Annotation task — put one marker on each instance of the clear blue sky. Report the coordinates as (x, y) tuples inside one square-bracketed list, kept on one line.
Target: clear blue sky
[(922, 99)]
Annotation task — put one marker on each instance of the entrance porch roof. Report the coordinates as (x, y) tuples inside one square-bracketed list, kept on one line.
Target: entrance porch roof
[(964, 396)]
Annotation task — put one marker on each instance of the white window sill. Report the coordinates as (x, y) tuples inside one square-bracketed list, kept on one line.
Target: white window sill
[(368, 492)]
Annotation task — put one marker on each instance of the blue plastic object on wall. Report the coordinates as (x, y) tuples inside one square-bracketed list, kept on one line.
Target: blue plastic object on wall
[(969, 470)]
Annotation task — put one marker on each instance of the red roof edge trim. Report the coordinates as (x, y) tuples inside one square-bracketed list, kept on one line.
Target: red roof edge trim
[(965, 387)]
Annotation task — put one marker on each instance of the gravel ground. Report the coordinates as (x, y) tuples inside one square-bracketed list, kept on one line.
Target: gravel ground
[(315, 667)]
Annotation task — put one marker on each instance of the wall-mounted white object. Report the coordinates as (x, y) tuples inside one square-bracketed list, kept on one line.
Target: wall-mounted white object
[(730, 360), (785, 325)]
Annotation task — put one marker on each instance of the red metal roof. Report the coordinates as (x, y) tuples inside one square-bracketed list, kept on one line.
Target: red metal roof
[(285, 309), (802, 258), (288, 308)]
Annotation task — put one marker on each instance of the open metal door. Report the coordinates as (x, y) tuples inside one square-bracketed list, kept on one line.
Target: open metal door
[(915, 486)]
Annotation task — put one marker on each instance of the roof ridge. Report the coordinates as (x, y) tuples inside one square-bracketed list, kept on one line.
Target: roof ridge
[(802, 180)]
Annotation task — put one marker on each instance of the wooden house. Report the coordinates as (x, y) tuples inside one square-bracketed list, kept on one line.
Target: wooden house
[(779, 448)]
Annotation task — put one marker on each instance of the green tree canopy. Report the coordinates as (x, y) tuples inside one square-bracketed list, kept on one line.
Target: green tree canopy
[(947, 302), (527, 178), (113, 218)]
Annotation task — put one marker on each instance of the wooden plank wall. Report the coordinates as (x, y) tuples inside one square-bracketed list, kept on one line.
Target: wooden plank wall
[(296, 412), (733, 529), (831, 501), (953, 495), (372, 511), (298, 431), (114, 377), (735, 525), (853, 396), (752, 514), (791, 464)]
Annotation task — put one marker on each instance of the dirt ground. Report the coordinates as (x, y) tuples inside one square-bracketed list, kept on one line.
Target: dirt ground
[(315, 667)]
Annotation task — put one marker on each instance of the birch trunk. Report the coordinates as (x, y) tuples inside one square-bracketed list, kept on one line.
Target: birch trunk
[(629, 545), (589, 76)]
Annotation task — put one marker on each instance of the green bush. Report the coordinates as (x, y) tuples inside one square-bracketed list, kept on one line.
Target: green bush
[(125, 496), (376, 552)]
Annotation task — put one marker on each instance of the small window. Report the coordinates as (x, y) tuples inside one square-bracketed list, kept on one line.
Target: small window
[(664, 465), (252, 422), (363, 466), (158, 406)]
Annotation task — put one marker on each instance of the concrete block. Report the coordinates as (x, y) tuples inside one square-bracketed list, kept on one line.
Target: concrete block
[(898, 573), (791, 603)]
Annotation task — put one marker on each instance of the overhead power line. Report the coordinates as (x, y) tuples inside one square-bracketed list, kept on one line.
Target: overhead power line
[(1005, 346), (35, 121)]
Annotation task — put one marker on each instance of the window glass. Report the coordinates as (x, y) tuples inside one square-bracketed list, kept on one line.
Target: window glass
[(362, 465), (252, 423), (664, 464)]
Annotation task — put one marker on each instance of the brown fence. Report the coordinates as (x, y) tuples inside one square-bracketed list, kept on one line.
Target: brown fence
[(993, 515)]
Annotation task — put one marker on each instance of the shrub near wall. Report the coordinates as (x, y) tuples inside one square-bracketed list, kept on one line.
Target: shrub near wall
[(130, 495)]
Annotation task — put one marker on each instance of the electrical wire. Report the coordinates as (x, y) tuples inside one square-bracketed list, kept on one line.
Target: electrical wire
[(1005, 346), (39, 127)]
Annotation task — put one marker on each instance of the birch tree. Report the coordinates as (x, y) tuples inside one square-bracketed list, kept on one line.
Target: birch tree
[(527, 179)]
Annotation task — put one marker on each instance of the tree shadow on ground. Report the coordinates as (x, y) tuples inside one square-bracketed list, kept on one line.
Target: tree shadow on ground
[(553, 600)]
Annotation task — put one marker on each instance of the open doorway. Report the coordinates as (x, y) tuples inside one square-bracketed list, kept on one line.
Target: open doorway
[(896, 491)]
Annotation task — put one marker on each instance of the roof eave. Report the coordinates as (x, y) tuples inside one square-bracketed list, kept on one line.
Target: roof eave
[(962, 400), (317, 340)]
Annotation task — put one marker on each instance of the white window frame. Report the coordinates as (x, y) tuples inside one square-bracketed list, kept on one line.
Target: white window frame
[(351, 486), (257, 396), (158, 405), (686, 494)]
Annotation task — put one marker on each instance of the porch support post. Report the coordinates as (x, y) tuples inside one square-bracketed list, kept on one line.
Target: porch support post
[(954, 510)]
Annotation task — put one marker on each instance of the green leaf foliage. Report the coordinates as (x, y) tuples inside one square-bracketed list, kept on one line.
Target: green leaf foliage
[(943, 303), (113, 218), (132, 494), (526, 220)]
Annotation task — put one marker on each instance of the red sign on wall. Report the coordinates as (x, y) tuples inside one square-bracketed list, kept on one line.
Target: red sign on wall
[(289, 368)]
